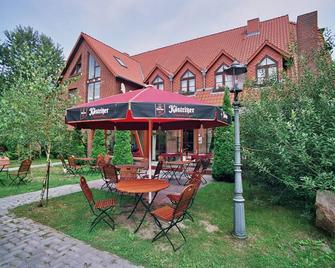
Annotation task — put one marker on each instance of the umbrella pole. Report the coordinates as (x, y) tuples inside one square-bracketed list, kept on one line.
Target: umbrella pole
[(150, 152)]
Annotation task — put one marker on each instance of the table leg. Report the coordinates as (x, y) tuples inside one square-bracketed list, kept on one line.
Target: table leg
[(147, 209), (137, 202)]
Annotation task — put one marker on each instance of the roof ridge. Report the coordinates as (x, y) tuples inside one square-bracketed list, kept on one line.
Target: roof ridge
[(201, 37), (123, 53)]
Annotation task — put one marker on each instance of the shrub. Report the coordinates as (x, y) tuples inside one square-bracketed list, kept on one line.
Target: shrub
[(289, 134), (122, 148), (223, 166), (74, 144), (98, 143)]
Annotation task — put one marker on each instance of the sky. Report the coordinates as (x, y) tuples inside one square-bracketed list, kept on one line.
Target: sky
[(134, 26)]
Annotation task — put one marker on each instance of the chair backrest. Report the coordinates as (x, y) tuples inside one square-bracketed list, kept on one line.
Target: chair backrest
[(24, 167), (61, 158), (195, 180), (158, 169), (205, 164), (109, 173), (184, 201), (197, 165), (100, 161), (128, 173), (72, 161), (86, 190)]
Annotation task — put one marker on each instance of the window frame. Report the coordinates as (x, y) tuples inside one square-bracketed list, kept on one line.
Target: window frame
[(121, 62), (187, 79), (96, 65), (266, 68), (94, 83), (217, 73), (77, 71), (157, 84)]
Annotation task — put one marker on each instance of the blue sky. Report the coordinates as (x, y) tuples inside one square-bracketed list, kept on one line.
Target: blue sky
[(134, 26)]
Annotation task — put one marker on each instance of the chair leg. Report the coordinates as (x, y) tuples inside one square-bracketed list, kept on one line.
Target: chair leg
[(164, 231), (101, 216)]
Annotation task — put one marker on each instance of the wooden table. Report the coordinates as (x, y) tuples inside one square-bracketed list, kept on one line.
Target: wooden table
[(178, 166), (141, 187)]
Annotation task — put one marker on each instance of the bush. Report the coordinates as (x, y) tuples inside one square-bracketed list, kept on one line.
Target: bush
[(289, 134), (74, 144), (122, 148), (223, 166), (98, 143)]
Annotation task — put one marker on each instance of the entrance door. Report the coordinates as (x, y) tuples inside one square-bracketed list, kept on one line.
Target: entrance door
[(160, 142), (188, 140)]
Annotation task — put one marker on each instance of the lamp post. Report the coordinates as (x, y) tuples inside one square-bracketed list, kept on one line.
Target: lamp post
[(238, 71)]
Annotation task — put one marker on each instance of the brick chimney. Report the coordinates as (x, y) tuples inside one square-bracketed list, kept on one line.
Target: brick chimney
[(253, 27), (308, 36)]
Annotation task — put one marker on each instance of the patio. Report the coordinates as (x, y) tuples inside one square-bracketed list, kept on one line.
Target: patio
[(279, 237)]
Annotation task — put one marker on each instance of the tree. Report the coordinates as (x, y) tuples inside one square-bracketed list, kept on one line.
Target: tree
[(288, 134), (33, 103), (98, 143), (122, 148), (223, 166)]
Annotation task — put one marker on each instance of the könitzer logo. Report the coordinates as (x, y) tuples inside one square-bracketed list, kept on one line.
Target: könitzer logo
[(159, 109), (93, 112), (100, 111), (183, 110)]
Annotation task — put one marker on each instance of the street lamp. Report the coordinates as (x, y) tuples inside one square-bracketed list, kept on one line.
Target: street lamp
[(238, 72)]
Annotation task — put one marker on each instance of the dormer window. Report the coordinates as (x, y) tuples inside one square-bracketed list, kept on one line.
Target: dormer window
[(77, 68), (120, 62), (158, 82), (222, 80), (187, 83), (265, 70)]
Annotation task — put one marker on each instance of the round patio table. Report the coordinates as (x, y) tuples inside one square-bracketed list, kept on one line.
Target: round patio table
[(141, 187)]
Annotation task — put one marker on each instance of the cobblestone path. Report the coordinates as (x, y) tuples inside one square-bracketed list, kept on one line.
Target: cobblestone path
[(25, 243)]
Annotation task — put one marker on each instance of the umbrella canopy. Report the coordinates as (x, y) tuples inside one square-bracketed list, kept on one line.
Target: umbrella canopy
[(133, 110)]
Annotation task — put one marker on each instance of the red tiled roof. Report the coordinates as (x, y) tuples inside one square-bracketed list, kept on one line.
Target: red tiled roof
[(107, 55), (209, 97), (202, 51)]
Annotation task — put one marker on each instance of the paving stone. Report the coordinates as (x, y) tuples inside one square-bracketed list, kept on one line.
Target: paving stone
[(25, 243)]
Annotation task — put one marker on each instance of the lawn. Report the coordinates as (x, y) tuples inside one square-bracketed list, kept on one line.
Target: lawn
[(57, 178), (277, 236)]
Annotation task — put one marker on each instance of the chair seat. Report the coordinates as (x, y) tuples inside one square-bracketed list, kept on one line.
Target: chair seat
[(164, 213), (105, 203), (174, 197)]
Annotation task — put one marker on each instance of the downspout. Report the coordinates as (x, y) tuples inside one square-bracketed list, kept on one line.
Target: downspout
[(203, 72)]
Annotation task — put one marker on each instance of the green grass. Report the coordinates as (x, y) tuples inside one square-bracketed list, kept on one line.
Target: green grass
[(277, 236), (42, 160), (57, 178)]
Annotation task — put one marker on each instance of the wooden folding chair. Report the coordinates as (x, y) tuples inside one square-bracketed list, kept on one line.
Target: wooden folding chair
[(99, 164), (196, 181), (73, 168), (100, 209), (173, 215), (128, 173), (205, 163), (158, 170), (20, 177), (196, 169), (65, 166), (109, 176)]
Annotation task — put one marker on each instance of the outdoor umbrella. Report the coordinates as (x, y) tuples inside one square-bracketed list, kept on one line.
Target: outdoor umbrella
[(146, 109)]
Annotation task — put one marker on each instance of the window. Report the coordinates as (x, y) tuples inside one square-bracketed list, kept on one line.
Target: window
[(77, 68), (120, 62), (93, 83), (158, 82), (265, 70), (187, 83), (73, 92), (93, 91), (93, 68), (222, 80)]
